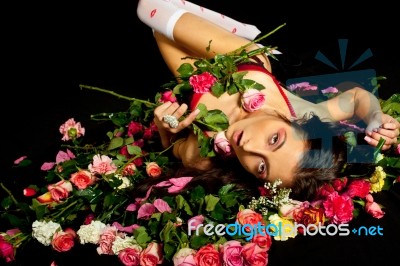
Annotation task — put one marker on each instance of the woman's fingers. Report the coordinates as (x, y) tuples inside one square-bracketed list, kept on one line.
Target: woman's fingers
[(372, 138)]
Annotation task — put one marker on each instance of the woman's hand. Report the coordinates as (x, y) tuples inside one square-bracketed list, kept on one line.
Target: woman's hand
[(174, 109), (384, 126)]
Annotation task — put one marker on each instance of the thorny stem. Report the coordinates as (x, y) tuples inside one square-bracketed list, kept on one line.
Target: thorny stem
[(9, 193), (116, 94)]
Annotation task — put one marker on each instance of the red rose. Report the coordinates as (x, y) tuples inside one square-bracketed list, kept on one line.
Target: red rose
[(82, 179), (339, 183), (248, 216), (63, 241), (255, 255), (208, 256), (6, 250), (153, 169), (134, 128), (168, 96), (202, 83)]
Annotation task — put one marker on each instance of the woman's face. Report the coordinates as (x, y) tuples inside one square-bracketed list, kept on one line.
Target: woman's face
[(267, 146)]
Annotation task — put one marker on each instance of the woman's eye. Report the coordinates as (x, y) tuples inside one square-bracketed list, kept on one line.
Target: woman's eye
[(261, 167), (274, 139)]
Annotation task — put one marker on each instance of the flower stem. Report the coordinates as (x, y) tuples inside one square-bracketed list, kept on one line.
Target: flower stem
[(259, 39), (116, 94), (9, 193)]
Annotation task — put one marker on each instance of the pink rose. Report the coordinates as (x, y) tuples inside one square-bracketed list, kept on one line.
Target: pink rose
[(222, 145), (71, 130), (202, 83), (106, 240), (82, 179), (130, 256), (153, 169), (262, 240), (152, 255), (60, 190), (6, 250), (102, 164), (184, 257), (252, 100), (338, 208), (254, 255), (358, 188), (63, 240), (373, 208), (231, 253), (208, 256), (168, 96), (248, 216)]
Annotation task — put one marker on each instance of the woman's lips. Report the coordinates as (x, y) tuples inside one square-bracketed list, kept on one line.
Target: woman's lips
[(237, 136)]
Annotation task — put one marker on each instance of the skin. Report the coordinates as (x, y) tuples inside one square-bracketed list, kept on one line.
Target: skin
[(258, 128), (267, 146)]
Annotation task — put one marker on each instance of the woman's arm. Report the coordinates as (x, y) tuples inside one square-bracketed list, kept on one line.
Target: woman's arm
[(361, 104)]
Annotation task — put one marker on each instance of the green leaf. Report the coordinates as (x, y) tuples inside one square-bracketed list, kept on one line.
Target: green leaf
[(197, 242), (167, 233), (185, 70), (134, 150), (251, 84), (211, 201), (115, 143), (217, 89), (181, 203), (141, 235)]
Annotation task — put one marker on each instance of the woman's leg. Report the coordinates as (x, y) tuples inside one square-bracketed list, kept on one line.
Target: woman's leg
[(192, 34), (166, 12), (244, 30)]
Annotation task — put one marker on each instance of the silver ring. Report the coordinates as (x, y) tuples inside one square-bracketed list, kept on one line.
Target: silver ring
[(171, 121)]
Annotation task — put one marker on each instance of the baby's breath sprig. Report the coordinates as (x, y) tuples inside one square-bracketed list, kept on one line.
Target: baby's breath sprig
[(276, 197)]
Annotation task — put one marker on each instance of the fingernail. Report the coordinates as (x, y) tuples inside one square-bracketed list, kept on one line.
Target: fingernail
[(367, 139), (196, 112), (375, 130)]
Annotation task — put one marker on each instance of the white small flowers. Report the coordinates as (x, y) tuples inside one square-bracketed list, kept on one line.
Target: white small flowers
[(90, 233), (44, 231)]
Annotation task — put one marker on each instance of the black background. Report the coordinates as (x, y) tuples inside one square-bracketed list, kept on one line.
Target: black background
[(50, 47)]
